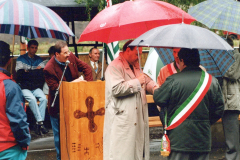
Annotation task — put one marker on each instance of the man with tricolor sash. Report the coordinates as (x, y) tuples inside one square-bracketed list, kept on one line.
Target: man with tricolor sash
[(192, 101)]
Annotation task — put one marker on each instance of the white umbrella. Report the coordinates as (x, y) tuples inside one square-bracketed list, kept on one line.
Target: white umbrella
[(181, 36)]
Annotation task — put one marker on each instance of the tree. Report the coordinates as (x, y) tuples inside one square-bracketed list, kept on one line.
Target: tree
[(183, 4)]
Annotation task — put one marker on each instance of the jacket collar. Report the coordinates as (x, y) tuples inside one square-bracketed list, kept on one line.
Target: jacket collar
[(190, 68), (127, 67), (4, 74)]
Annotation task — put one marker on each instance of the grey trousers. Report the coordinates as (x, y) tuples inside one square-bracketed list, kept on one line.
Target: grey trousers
[(231, 133), (188, 155)]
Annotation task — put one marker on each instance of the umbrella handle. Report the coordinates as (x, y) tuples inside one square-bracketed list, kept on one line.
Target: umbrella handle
[(139, 60)]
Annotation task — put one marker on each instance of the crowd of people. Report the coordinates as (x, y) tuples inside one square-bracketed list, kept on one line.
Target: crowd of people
[(183, 91)]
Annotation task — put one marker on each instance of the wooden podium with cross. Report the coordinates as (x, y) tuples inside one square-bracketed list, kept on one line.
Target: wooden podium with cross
[(81, 120)]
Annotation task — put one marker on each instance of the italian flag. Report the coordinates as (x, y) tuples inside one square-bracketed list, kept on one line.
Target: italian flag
[(191, 102)]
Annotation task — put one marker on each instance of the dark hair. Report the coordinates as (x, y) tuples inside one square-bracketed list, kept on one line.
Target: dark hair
[(59, 45), (190, 57), (32, 42), (230, 40), (90, 51), (4, 53), (51, 50), (126, 46)]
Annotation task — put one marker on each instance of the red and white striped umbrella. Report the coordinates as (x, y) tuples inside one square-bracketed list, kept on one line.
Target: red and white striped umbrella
[(24, 18)]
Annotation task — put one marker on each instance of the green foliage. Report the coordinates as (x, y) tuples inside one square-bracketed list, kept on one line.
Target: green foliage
[(183, 4), (93, 3)]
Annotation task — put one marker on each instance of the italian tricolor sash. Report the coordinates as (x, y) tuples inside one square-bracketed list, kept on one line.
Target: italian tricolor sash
[(191, 102), (171, 68)]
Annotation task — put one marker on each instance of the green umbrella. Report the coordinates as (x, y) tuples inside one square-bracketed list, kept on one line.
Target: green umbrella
[(153, 64)]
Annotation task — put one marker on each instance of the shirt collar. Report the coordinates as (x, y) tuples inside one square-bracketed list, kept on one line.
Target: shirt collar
[(92, 63), (61, 63)]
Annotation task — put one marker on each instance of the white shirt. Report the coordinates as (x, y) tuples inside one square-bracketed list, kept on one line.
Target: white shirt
[(92, 63)]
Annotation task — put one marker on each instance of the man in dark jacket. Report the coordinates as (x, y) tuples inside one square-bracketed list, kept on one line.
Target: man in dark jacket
[(53, 73), (29, 68), (14, 132), (193, 101)]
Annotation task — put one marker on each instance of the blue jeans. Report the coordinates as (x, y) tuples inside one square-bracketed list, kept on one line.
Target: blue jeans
[(55, 128), (13, 153), (31, 96)]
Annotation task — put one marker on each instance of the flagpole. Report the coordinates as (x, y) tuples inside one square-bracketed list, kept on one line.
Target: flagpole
[(102, 78)]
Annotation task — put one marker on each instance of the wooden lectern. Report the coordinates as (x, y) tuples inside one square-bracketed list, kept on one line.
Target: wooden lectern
[(81, 120)]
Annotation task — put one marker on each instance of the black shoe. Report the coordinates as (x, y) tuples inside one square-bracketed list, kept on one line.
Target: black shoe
[(38, 129), (43, 129)]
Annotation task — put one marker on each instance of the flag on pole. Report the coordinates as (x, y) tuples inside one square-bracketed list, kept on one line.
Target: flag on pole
[(112, 48), (112, 51)]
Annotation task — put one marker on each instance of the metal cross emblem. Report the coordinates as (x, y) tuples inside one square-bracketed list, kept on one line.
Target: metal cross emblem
[(90, 114)]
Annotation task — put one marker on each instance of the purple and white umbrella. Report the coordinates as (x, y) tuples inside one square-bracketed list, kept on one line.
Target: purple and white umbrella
[(27, 19)]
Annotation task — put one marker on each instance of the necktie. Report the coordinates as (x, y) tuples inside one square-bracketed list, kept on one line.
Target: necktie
[(95, 67)]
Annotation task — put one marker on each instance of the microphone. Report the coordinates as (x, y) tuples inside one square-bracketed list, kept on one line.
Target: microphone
[(56, 93), (67, 62)]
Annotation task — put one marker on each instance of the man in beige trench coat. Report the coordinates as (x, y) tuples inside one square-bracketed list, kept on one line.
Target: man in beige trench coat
[(126, 130)]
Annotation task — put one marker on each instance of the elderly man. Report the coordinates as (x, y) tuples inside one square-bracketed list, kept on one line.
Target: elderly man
[(14, 132), (192, 101), (53, 73), (96, 65), (126, 130)]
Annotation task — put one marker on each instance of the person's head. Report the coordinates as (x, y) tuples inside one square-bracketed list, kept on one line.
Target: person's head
[(188, 58), (32, 47), (5, 52), (61, 51), (94, 54), (51, 51), (175, 54), (130, 53), (230, 40)]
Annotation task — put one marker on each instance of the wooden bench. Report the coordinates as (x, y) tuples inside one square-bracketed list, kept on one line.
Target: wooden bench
[(27, 103), (155, 121)]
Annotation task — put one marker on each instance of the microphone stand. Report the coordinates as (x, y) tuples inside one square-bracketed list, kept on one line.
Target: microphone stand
[(57, 91)]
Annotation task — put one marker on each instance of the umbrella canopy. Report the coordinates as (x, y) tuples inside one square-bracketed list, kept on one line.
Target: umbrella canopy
[(130, 19), (218, 14), (24, 18), (153, 64), (216, 62), (181, 36)]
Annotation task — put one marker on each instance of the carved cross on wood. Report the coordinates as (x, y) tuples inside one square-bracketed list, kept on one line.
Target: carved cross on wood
[(90, 114)]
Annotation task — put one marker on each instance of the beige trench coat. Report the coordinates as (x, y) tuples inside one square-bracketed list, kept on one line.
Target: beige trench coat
[(126, 130)]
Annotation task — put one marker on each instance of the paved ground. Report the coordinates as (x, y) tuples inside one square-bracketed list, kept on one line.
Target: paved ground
[(42, 147)]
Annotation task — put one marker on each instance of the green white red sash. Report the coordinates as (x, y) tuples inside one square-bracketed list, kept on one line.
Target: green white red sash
[(171, 68), (191, 102)]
